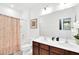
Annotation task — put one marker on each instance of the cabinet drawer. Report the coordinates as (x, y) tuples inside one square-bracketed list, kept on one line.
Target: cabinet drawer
[(57, 50), (43, 46), (35, 43)]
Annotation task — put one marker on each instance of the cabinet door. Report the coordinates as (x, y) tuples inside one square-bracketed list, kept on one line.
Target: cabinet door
[(57, 51), (53, 53), (35, 50), (43, 46), (35, 43), (43, 52), (70, 53)]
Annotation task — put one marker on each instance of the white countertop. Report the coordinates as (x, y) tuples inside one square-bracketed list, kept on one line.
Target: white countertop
[(62, 44)]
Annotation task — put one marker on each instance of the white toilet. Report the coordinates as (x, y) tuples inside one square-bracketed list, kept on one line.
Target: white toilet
[(26, 49)]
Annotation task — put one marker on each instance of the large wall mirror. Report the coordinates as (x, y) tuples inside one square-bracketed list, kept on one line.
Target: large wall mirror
[(65, 24)]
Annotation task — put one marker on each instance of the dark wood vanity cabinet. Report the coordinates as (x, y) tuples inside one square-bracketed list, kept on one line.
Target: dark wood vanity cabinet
[(66, 52), (40, 49), (35, 48), (43, 49), (56, 51), (43, 52), (59, 51)]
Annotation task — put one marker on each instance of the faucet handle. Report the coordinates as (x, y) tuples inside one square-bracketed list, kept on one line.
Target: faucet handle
[(53, 38), (57, 39)]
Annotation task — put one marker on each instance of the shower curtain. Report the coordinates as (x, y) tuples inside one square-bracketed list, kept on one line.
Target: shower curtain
[(9, 35)]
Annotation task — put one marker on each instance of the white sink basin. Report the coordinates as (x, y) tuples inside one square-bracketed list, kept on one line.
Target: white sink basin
[(61, 43), (49, 40)]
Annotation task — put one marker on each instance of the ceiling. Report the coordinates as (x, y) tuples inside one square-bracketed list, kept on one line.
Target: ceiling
[(23, 6), (20, 7)]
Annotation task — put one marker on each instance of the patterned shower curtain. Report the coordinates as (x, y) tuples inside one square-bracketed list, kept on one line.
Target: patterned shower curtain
[(9, 35)]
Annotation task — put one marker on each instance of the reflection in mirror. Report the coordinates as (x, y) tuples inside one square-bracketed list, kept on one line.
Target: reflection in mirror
[(65, 24), (60, 25)]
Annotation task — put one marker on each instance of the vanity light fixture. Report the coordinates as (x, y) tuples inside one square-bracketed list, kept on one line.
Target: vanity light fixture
[(46, 10)]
